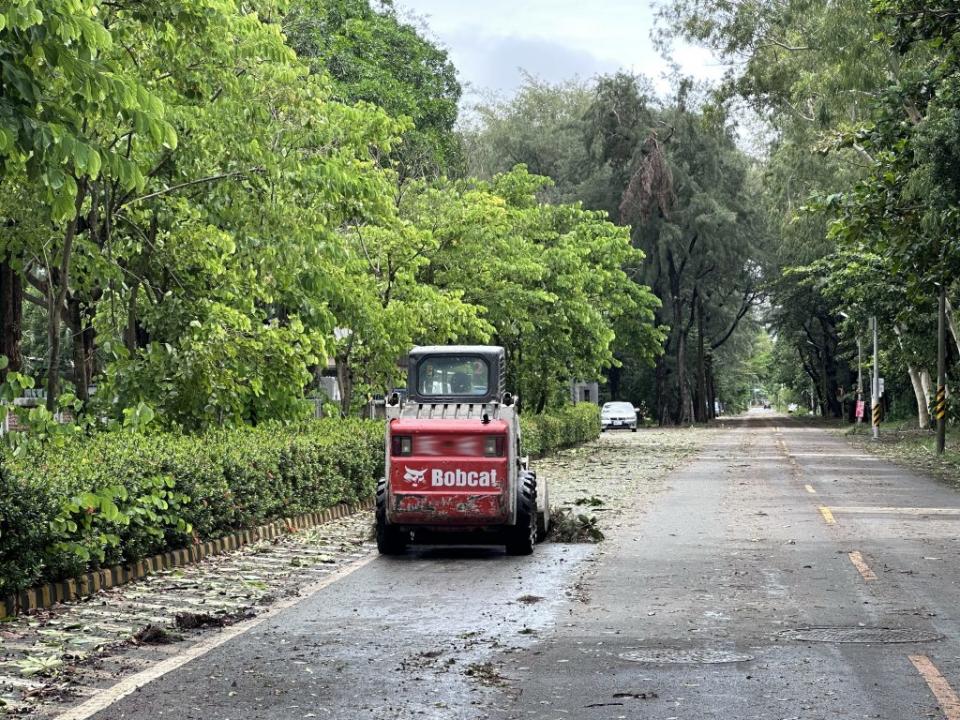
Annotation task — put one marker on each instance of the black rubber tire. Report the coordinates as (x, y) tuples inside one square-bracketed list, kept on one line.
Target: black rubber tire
[(390, 540), (543, 518), (633, 429), (522, 537)]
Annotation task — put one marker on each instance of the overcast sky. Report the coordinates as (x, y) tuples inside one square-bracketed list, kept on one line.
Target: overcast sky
[(490, 41)]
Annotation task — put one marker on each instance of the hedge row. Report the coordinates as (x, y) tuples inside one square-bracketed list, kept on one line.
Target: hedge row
[(119, 497), (557, 429), (115, 498)]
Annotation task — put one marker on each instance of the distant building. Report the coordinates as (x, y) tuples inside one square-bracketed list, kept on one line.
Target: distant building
[(585, 392), (330, 388)]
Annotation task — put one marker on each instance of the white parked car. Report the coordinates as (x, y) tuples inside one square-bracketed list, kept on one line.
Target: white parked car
[(616, 415)]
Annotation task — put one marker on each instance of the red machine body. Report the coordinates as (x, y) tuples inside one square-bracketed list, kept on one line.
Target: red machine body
[(457, 473), (454, 472)]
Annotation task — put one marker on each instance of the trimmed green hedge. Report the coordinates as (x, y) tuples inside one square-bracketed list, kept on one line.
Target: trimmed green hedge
[(115, 498), (555, 429), (118, 497)]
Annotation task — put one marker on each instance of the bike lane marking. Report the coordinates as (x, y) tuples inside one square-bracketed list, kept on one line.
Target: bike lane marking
[(127, 686)]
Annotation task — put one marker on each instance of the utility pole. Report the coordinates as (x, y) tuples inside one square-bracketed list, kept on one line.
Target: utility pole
[(875, 393), (941, 405), (859, 378)]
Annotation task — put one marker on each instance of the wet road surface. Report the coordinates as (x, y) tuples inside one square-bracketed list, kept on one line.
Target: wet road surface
[(781, 573)]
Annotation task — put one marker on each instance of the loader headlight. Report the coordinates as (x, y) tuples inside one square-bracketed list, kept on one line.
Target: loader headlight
[(493, 446), (402, 445)]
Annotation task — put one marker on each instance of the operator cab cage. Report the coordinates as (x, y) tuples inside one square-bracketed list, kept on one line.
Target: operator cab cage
[(440, 374)]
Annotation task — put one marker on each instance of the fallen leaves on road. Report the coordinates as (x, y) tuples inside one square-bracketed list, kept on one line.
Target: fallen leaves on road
[(529, 599), (191, 621), (154, 635), (636, 695), (567, 526), (485, 674), (39, 665)]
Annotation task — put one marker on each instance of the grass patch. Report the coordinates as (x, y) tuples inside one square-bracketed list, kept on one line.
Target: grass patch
[(915, 449)]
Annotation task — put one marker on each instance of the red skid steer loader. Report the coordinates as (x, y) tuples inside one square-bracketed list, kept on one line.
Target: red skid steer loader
[(455, 472)]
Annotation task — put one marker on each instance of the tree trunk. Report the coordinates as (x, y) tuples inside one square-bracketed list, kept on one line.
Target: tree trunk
[(130, 332), (56, 299), (613, 379), (923, 414), (952, 324), (11, 314), (75, 321), (701, 412), (711, 389), (683, 417), (544, 388), (921, 389), (89, 352), (824, 390), (829, 383), (660, 375), (927, 385), (344, 382)]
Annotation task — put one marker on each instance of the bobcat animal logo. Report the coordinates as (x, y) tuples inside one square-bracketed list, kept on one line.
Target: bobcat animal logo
[(415, 477)]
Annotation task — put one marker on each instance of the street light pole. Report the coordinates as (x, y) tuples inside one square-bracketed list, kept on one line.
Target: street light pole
[(875, 393)]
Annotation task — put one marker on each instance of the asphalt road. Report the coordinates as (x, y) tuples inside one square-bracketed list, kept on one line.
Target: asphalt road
[(781, 573)]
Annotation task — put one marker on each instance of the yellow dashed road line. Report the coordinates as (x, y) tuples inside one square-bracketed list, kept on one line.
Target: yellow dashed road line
[(946, 697), (810, 489), (827, 515), (861, 565)]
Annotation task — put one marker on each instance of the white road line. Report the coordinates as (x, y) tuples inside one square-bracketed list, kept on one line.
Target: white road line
[(19, 682), (129, 685), (834, 456), (866, 510)]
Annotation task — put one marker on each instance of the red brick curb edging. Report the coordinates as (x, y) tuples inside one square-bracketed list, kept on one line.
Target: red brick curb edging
[(47, 595)]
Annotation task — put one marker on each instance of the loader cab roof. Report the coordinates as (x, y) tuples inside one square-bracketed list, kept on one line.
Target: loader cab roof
[(440, 374)]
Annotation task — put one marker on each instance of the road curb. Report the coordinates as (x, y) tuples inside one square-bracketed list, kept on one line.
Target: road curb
[(49, 594)]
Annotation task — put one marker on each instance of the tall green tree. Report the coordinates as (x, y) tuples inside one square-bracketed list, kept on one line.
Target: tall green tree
[(375, 56), (807, 70)]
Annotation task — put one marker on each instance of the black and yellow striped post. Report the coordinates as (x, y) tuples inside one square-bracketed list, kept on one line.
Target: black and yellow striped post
[(877, 412), (940, 407)]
